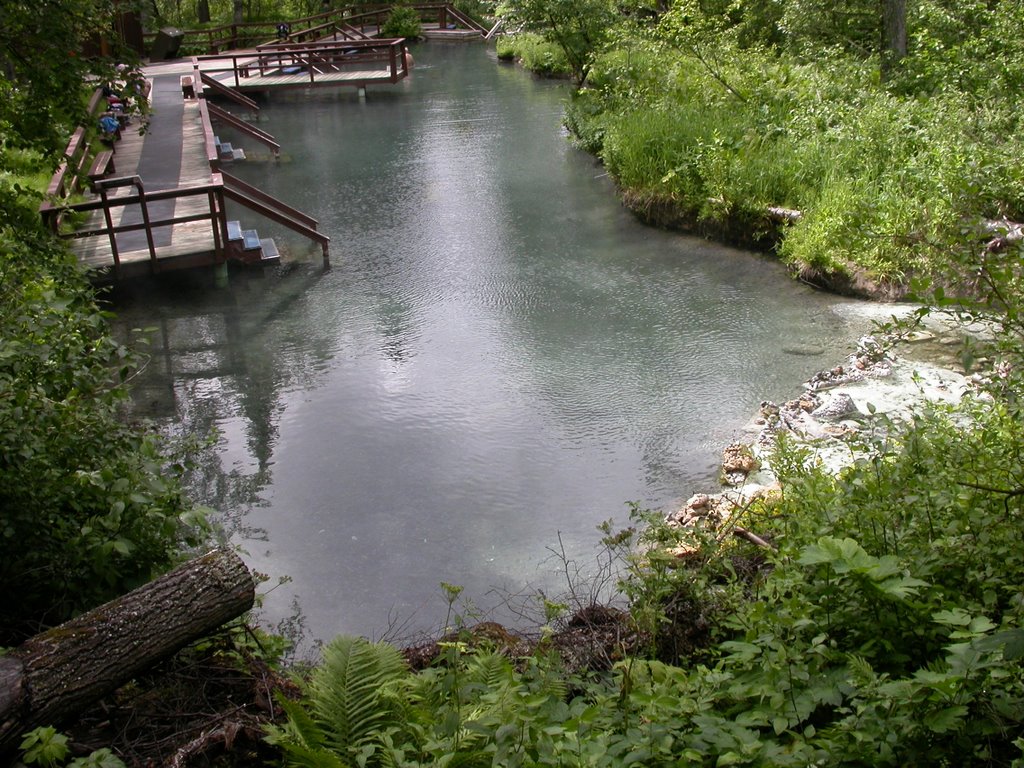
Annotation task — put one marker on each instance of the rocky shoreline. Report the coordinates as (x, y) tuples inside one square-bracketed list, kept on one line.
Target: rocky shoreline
[(885, 380)]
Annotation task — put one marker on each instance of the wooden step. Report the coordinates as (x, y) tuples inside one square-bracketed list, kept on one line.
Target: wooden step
[(250, 240), (225, 151), (270, 252)]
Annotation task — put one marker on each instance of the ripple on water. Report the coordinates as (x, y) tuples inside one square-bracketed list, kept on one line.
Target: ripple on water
[(499, 354)]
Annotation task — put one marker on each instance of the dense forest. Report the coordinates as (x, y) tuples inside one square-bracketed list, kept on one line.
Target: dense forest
[(875, 148)]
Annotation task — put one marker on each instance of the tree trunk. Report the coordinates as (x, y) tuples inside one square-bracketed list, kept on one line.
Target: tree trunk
[(58, 673), (894, 34), (203, 11)]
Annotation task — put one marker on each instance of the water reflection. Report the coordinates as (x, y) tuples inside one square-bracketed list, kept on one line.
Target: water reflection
[(500, 356)]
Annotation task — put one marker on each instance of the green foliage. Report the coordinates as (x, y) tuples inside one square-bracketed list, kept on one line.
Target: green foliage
[(535, 53), (706, 117), (579, 28), (352, 714), (47, 748), (403, 21), (47, 63), (887, 629), (44, 746), (91, 505)]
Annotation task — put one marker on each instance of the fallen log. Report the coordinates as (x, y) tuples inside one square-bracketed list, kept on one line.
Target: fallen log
[(57, 674)]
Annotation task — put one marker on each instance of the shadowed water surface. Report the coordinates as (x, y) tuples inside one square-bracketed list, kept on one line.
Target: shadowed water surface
[(500, 354)]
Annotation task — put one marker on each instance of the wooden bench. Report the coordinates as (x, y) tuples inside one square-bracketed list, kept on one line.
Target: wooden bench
[(102, 164)]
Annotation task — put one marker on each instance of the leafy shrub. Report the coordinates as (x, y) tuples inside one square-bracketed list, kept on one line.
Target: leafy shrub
[(535, 53), (403, 21), (91, 505)]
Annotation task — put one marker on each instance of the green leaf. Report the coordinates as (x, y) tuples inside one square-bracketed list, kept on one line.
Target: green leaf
[(945, 719)]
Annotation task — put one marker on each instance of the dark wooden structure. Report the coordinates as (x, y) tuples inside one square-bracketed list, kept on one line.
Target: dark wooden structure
[(128, 227), (315, 64), (357, 20)]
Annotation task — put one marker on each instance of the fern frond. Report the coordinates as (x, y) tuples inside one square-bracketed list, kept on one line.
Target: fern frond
[(491, 670), (299, 729), (302, 740), (298, 756), (346, 692)]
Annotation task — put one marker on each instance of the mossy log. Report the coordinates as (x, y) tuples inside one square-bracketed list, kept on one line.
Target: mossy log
[(57, 674)]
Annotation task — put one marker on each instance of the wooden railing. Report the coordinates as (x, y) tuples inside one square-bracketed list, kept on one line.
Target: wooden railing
[(256, 199), (71, 173), (313, 59), (217, 113), (362, 17), (213, 212), (216, 193), (331, 29), (217, 87)]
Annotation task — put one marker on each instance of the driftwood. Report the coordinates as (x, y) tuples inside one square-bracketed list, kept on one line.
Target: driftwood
[(57, 674), (1005, 232), (783, 215)]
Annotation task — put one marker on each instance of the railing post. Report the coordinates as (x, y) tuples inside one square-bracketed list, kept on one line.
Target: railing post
[(110, 231), (221, 218), (215, 217), (144, 206)]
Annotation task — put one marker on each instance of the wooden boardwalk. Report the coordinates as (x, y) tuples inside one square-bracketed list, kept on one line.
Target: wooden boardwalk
[(169, 156), (164, 203), (318, 64)]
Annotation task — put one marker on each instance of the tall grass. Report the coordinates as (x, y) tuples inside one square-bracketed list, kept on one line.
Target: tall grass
[(535, 53), (886, 182)]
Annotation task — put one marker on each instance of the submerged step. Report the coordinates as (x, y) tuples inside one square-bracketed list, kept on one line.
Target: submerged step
[(270, 252), (234, 230), (250, 239)]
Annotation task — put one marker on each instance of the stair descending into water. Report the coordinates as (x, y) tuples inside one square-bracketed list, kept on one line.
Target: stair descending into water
[(246, 246)]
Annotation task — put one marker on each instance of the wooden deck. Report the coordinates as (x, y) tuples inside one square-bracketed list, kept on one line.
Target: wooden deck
[(316, 64), (169, 156), (164, 203)]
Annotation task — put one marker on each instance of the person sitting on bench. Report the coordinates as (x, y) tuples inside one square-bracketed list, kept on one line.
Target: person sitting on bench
[(109, 128)]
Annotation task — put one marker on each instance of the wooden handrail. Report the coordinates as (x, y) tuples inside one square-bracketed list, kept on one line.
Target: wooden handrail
[(233, 182), (218, 87), (307, 55), (70, 173), (468, 21), (209, 142), (274, 214), (251, 130)]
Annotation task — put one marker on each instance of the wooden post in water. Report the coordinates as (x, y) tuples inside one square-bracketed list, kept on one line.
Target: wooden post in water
[(220, 275)]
